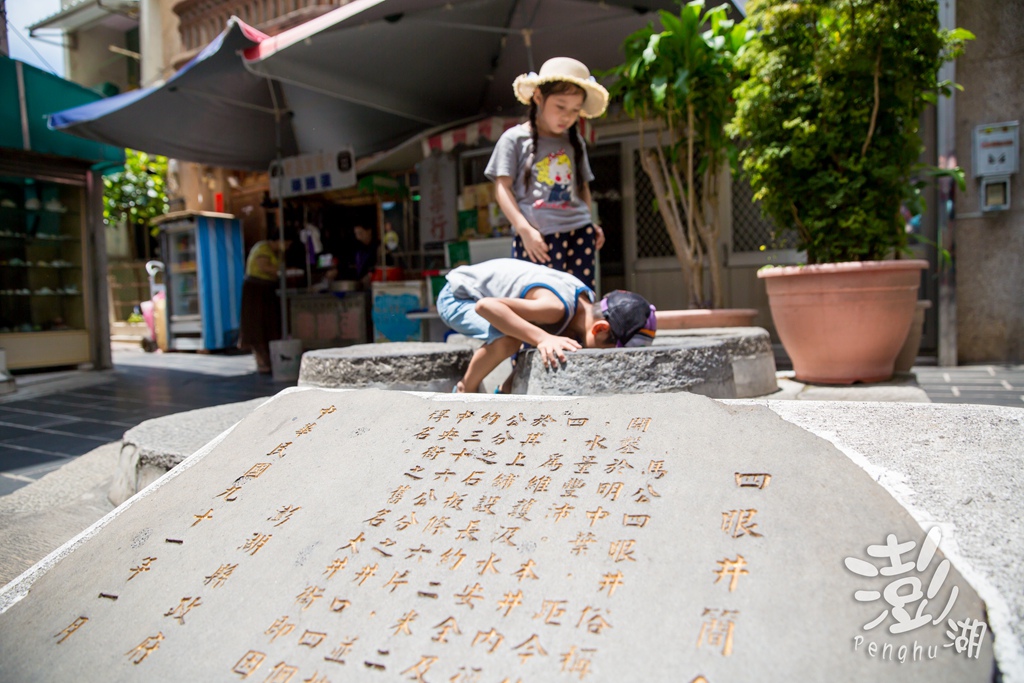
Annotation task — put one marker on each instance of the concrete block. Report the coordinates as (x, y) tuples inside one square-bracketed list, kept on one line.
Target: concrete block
[(415, 366), (749, 349), (694, 366), (960, 467), (735, 362), (902, 388)]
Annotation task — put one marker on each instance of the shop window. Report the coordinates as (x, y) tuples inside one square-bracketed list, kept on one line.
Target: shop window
[(472, 163)]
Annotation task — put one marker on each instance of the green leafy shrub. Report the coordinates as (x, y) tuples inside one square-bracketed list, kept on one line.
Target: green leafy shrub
[(137, 194), (830, 111)]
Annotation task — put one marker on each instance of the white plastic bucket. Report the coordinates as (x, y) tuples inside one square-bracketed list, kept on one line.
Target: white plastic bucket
[(285, 359)]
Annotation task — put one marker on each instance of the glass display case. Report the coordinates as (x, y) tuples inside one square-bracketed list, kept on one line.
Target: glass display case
[(43, 318), (181, 248), (205, 264)]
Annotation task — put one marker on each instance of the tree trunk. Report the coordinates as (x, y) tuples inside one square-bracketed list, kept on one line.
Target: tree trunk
[(711, 233), (693, 235), (668, 207)]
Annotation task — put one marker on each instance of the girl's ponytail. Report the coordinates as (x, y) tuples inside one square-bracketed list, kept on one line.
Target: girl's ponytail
[(577, 155), (533, 150)]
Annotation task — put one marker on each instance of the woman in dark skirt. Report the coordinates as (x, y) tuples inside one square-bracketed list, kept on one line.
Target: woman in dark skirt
[(261, 308)]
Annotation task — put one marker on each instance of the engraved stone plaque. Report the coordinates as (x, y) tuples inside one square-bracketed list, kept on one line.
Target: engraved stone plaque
[(371, 535)]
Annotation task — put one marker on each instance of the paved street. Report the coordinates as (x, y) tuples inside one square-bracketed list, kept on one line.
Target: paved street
[(53, 419), (998, 385)]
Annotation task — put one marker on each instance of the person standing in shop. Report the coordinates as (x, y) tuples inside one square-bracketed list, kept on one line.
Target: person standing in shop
[(364, 255), (541, 170), (261, 308)]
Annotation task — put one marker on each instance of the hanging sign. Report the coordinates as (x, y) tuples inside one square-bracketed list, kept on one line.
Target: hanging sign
[(312, 173), (438, 191)]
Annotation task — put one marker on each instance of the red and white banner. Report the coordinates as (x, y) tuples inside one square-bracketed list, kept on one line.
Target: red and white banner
[(483, 131)]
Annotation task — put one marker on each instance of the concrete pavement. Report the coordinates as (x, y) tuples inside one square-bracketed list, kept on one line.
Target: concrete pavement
[(999, 385)]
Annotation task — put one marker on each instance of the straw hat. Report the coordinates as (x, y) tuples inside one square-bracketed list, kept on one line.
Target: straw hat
[(569, 70)]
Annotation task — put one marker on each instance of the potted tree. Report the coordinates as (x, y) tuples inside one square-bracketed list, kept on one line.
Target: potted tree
[(830, 112), (679, 83)]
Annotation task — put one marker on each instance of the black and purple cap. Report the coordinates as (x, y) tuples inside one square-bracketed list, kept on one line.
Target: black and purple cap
[(631, 317)]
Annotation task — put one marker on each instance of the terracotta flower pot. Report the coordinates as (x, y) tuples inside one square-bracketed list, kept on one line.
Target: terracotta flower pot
[(908, 352), (842, 323)]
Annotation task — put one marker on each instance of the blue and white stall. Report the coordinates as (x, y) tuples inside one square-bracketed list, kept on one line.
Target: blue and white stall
[(205, 265)]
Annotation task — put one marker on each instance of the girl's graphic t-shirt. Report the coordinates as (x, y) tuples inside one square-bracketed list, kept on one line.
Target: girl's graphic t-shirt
[(551, 203)]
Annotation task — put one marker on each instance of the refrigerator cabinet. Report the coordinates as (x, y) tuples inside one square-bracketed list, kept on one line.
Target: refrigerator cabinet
[(205, 266)]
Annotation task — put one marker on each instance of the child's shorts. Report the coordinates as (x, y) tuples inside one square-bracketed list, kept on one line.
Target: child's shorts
[(461, 316)]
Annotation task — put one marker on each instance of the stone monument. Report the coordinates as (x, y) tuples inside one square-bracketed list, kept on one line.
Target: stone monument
[(373, 535)]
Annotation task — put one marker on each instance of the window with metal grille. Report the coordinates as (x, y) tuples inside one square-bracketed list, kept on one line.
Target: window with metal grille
[(754, 241), (606, 190), (652, 240)]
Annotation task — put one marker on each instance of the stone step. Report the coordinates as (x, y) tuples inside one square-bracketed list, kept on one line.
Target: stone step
[(154, 447)]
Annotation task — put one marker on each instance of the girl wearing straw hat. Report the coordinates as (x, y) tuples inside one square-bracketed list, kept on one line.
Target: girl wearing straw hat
[(541, 170)]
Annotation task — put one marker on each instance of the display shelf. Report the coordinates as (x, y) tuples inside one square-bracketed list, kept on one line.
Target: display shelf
[(25, 330), (46, 237), (29, 213), (45, 347), (8, 293), (41, 261)]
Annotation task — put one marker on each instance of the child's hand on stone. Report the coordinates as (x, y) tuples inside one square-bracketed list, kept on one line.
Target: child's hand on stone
[(552, 349)]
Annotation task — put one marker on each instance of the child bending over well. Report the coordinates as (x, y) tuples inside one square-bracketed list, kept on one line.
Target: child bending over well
[(508, 302)]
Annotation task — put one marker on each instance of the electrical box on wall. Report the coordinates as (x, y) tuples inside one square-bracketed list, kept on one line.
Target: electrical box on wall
[(996, 156), (995, 193)]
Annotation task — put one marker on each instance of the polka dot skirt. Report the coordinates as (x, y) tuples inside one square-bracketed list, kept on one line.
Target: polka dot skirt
[(571, 252)]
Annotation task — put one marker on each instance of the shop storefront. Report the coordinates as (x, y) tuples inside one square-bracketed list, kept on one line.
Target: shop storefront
[(458, 208), (360, 263), (53, 294)]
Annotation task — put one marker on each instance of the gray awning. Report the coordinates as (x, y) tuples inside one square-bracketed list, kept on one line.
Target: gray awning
[(212, 111)]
